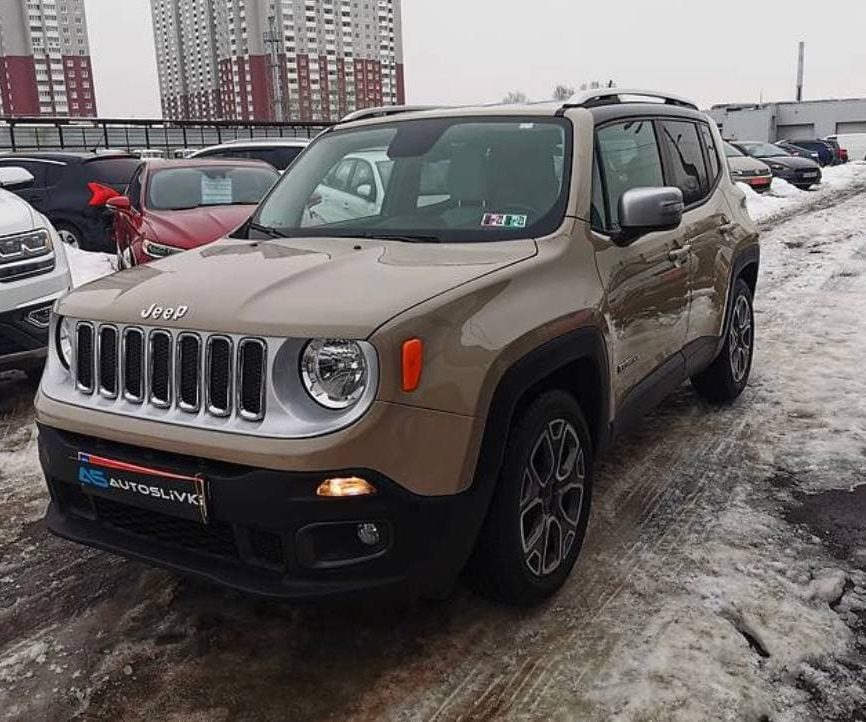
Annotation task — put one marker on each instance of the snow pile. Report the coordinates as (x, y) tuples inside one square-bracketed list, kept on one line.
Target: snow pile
[(87, 266), (785, 198)]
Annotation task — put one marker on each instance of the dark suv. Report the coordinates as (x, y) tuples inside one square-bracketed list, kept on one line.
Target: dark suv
[(71, 190)]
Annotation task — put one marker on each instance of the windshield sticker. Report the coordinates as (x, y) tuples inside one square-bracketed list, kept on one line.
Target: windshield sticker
[(216, 191), (503, 220)]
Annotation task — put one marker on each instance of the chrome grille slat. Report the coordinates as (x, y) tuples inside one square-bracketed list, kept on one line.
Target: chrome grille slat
[(251, 365), (219, 376), (216, 375), (107, 361), (188, 367), (84, 357), (159, 368), (133, 365)]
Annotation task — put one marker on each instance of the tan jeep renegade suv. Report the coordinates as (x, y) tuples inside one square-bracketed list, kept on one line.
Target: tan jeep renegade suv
[(405, 364)]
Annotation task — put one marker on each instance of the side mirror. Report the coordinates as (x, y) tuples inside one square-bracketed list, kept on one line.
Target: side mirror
[(14, 177), (118, 203), (365, 190), (645, 210)]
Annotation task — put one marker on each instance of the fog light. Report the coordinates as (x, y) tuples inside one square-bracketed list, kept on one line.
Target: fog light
[(369, 534), (350, 486)]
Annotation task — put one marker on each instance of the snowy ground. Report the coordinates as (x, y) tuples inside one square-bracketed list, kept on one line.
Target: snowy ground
[(724, 575)]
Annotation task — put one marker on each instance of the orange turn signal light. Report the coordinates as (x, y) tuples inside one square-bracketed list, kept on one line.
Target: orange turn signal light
[(350, 486), (413, 363)]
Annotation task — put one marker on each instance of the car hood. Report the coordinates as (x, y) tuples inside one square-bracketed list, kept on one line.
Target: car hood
[(16, 214), (329, 287), (197, 226), (745, 163), (792, 162)]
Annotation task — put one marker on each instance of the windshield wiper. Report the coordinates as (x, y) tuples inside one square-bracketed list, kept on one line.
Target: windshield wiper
[(267, 230), (400, 237)]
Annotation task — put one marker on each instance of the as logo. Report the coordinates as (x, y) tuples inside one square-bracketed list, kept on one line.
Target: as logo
[(167, 314), (92, 477)]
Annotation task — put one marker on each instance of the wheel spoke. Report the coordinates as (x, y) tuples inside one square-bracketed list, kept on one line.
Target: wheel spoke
[(532, 525), (552, 545)]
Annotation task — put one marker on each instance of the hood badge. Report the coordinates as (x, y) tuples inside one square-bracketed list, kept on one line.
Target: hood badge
[(156, 312)]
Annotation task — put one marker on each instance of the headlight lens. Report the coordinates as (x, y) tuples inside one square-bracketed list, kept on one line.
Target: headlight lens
[(64, 342), (334, 372)]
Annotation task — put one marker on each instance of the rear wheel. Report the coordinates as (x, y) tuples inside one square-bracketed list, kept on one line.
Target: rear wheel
[(538, 516), (70, 235), (727, 376)]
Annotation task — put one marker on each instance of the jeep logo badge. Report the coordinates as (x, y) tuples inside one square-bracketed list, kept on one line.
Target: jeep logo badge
[(166, 314)]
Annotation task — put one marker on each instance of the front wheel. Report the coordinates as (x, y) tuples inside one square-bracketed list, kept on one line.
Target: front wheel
[(727, 376), (538, 516)]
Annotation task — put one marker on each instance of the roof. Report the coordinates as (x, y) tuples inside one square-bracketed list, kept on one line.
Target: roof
[(67, 156), (163, 163)]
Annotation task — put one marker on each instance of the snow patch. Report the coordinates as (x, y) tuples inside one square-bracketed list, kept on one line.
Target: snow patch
[(87, 266)]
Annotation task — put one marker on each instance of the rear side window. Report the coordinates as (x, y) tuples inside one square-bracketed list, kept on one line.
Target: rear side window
[(279, 157), (114, 172), (714, 165), (687, 170), (628, 155)]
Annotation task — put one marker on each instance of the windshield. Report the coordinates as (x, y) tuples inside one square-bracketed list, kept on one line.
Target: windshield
[(764, 150), (732, 152), (427, 180), (183, 188)]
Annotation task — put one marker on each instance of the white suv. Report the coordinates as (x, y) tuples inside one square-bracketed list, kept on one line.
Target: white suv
[(34, 273)]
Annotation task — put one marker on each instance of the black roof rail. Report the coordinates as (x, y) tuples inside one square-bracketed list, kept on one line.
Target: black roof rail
[(610, 96)]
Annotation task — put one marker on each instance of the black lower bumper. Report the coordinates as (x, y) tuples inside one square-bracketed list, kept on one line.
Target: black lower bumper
[(268, 533), (23, 343), (802, 178)]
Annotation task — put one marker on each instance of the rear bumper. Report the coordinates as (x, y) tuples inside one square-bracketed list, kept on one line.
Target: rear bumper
[(269, 534)]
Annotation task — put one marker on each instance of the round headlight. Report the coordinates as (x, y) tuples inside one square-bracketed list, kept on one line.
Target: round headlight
[(64, 342), (334, 372)]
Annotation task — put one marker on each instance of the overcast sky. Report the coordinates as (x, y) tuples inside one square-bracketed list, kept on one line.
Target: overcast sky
[(463, 51)]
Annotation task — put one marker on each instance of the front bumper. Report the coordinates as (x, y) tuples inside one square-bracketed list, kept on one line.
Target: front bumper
[(800, 177), (268, 533), (23, 341)]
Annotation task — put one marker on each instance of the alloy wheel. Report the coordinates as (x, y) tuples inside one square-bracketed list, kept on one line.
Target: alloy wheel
[(740, 341), (551, 497), (68, 237)]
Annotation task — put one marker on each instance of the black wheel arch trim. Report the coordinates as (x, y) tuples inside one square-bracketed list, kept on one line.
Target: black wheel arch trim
[(532, 370)]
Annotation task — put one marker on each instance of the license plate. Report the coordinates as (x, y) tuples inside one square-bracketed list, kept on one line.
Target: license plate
[(144, 487)]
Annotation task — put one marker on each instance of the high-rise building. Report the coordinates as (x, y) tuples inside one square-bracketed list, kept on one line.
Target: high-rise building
[(45, 67), (277, 59)]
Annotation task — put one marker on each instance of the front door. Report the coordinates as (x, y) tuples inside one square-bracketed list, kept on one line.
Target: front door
[(647, 281)]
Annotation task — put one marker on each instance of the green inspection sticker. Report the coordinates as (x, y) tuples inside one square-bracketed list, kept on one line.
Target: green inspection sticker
[(503, 220)]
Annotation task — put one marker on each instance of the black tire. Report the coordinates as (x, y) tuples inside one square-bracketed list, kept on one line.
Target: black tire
[(34, 373), (726, 377), (70, 235), (502, 567)]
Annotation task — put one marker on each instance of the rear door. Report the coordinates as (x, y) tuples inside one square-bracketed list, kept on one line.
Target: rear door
[(693, 164), (646, 281)]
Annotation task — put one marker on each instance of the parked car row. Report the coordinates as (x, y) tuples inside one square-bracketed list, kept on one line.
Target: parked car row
[(797, 170)]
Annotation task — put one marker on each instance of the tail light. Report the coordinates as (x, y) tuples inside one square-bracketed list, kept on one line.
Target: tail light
[(100, 194)]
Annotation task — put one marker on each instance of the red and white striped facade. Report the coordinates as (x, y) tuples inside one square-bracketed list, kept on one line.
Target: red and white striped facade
[(277, 59), (45, 67)]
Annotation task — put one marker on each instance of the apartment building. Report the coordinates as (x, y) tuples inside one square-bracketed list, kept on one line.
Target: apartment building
[(45, 67), (277, 59)]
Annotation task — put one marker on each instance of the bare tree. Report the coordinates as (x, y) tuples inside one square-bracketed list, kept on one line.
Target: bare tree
[(515, 97), (562, 92)]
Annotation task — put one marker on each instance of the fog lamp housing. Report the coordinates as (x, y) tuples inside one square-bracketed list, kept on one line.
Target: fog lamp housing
[(350, 486)]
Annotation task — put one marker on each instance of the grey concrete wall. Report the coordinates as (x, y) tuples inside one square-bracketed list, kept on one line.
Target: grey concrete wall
[(774, 121)]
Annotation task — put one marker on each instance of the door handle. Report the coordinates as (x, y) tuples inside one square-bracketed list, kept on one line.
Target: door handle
[(679, 254)]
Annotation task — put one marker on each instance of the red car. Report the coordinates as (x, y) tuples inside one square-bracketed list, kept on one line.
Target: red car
[(175, 205)]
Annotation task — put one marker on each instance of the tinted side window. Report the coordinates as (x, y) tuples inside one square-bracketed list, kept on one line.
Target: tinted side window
[(712, 153), (682, 147), (629, 157)]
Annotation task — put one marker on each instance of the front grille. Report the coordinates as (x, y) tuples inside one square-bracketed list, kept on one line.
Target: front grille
[(108, 358), (166, 369), (26, 270), (216, 539), (84, 357)]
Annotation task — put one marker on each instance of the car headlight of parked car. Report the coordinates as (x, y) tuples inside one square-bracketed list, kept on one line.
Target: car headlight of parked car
[(334, 372), (63, 341), (159, 250), (25, 245)]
